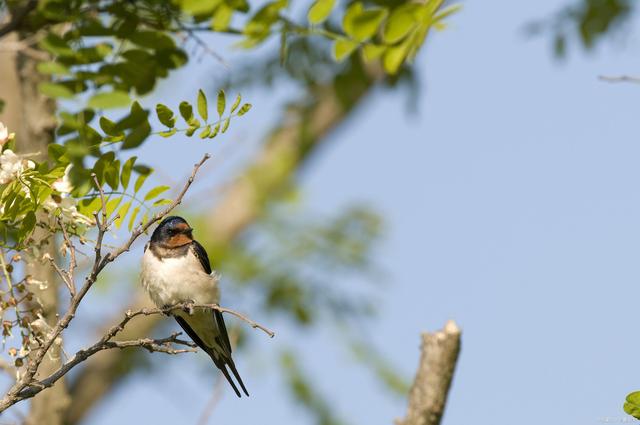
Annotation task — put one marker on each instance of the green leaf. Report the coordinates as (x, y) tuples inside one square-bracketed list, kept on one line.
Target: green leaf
[(245, 108), (112, 204), (139, 182), (236, 103), (352, 12), (122, 212), (125, 175), (137, 136), (446, 12), (55, 91), (109, 127), (132, 219), (225, 125), (205, 132), (168, 133), (165, 115), (160, 202), (27, 225), (155, 192), (190, 131), (401, 22), (137, 115), (52, 68), (202, 105), (101, 166), (372, 51), (186, 110), (112, 174), (215, 131), (343, 47), (632, 404), (363, 24), (320, 11), (115, 99), (56, 45), (221, 102), (394, 57), (222, 18), (57, 151)]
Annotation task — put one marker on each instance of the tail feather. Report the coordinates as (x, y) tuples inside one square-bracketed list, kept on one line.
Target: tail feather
[(222, 360), (232, 366), (220, 365)]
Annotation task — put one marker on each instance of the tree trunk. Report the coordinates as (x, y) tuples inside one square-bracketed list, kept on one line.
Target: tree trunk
[(31, 116)]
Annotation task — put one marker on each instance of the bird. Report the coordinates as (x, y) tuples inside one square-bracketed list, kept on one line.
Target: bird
[(176, 270)]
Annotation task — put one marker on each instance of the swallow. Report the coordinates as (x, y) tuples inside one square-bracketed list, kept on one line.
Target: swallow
[(175, 270)]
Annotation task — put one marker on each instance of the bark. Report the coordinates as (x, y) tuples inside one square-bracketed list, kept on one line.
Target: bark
[(31, 116), (428, 395), (285, 151)]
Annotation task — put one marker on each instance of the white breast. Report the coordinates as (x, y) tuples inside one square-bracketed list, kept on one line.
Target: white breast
[(174, 280)]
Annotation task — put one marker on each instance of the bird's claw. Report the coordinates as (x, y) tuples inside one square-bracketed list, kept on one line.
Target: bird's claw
[(188, 307)]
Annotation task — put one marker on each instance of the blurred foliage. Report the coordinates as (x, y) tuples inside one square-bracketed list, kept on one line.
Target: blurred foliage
[(366, 354), (302, 390), (293, 260), (588, 21), (632, 404)]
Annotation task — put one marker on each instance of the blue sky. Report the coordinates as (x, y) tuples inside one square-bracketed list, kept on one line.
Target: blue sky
[(512, 206)]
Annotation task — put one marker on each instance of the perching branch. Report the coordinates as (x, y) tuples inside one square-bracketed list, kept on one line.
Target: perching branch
[(428, 396), (163, 345), (27, 386)]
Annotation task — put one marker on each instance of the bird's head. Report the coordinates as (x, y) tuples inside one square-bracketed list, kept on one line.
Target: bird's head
[(172, 232)]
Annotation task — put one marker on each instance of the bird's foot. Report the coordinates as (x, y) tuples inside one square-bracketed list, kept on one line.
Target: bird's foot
[(188, 307)]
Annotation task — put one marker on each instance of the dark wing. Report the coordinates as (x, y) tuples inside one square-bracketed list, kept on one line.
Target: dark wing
[(219, 362), (201, 254)]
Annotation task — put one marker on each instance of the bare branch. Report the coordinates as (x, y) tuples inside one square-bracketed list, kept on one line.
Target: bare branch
[(183, 306), (72, 256), (164, 345), (428, 396), (63, 275)]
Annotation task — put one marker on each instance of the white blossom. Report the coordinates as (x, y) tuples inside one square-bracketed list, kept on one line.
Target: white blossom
[(68, 209), (12, 166), (63, 184), (5, 136)]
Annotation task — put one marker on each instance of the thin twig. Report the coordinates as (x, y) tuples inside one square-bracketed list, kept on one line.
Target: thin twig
[(72, 256), (63, 275), (620, 79), (182, 306)]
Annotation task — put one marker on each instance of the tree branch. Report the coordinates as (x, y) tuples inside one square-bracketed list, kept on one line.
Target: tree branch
[(17, 17), (428, 395), (620, 79), (163, 345)]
